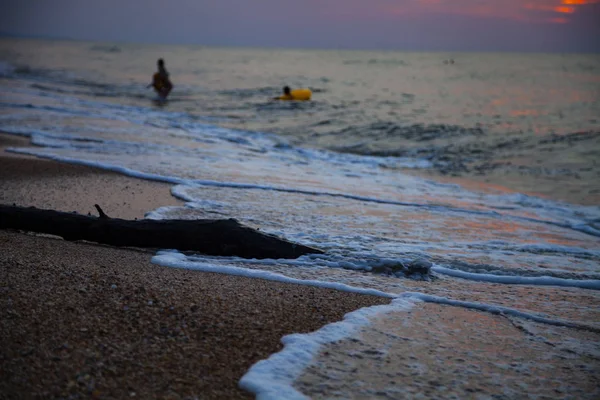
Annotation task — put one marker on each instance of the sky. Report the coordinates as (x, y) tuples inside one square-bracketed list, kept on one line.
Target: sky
[(423, 25)]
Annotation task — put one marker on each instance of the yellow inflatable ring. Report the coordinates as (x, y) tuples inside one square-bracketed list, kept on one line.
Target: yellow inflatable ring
[(298, 95)]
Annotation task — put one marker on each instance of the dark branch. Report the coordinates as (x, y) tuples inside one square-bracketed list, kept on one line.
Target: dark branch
[(225, 237), (102, 214)]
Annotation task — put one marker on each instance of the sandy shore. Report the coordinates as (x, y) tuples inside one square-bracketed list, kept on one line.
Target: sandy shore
[(81, 320), (29, 181)]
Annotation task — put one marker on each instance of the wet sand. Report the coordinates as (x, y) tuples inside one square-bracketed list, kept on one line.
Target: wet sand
[(28, 181), (436, 351), (82, 320)]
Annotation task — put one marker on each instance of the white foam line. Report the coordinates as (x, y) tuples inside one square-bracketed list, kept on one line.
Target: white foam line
[(580, 227), (196, 182), (433, 207), (178, 260), (519, 280), (365, 199), (496, 310), (100, 165), (174, 259), (273, 378), (586, 229), (555, 249), (188, 182), (37, 137), (534, 248)]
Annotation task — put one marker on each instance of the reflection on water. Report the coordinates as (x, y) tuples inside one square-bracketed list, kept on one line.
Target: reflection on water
[(439, 351), (486, 117), (351, 206)]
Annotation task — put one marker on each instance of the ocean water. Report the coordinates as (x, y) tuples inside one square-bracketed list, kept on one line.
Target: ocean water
[(344, 172)]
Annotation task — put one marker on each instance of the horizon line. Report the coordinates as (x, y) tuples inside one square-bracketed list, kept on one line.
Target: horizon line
[(12, 35)]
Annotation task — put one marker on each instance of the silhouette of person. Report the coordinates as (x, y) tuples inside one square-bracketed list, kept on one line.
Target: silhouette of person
[(160, 80), (287, 94), (303, 94)]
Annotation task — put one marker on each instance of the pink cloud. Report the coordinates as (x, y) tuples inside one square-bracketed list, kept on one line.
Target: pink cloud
[(489, 25), (554, 11)]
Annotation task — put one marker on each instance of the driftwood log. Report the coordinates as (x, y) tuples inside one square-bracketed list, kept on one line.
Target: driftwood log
[(225, 237)]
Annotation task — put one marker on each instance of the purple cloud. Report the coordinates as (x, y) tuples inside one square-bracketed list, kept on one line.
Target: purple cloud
[(531, 25)]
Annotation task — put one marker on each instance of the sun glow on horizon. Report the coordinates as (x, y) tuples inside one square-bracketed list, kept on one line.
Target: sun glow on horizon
[(564, 9), (536, 11), (579, 2)]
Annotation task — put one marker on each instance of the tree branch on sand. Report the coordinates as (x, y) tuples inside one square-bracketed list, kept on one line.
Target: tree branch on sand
[(219, 237)]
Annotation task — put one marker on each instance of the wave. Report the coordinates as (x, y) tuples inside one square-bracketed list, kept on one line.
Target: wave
[(274, 377), (80, 87), (436, 143), (413, 132), (581, 226), (45, 79), (64, 83), (593, 284), (458, 150)]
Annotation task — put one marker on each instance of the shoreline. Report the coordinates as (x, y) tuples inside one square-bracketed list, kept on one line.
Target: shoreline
[(75, 188), (88, 320), (503, 179), (507, 182), (94, 321)]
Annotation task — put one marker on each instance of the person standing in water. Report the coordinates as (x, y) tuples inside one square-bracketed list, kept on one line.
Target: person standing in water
[(160, 80)]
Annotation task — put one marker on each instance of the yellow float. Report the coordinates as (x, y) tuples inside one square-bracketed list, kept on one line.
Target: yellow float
[(297, 95)]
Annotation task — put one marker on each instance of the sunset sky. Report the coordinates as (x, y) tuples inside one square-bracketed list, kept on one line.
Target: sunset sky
[(481, 25)]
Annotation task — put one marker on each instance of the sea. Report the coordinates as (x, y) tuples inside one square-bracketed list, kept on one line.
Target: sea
[(483, 168)]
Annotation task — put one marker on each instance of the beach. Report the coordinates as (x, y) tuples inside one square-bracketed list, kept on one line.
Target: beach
[(84, 320), (456, 206)]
